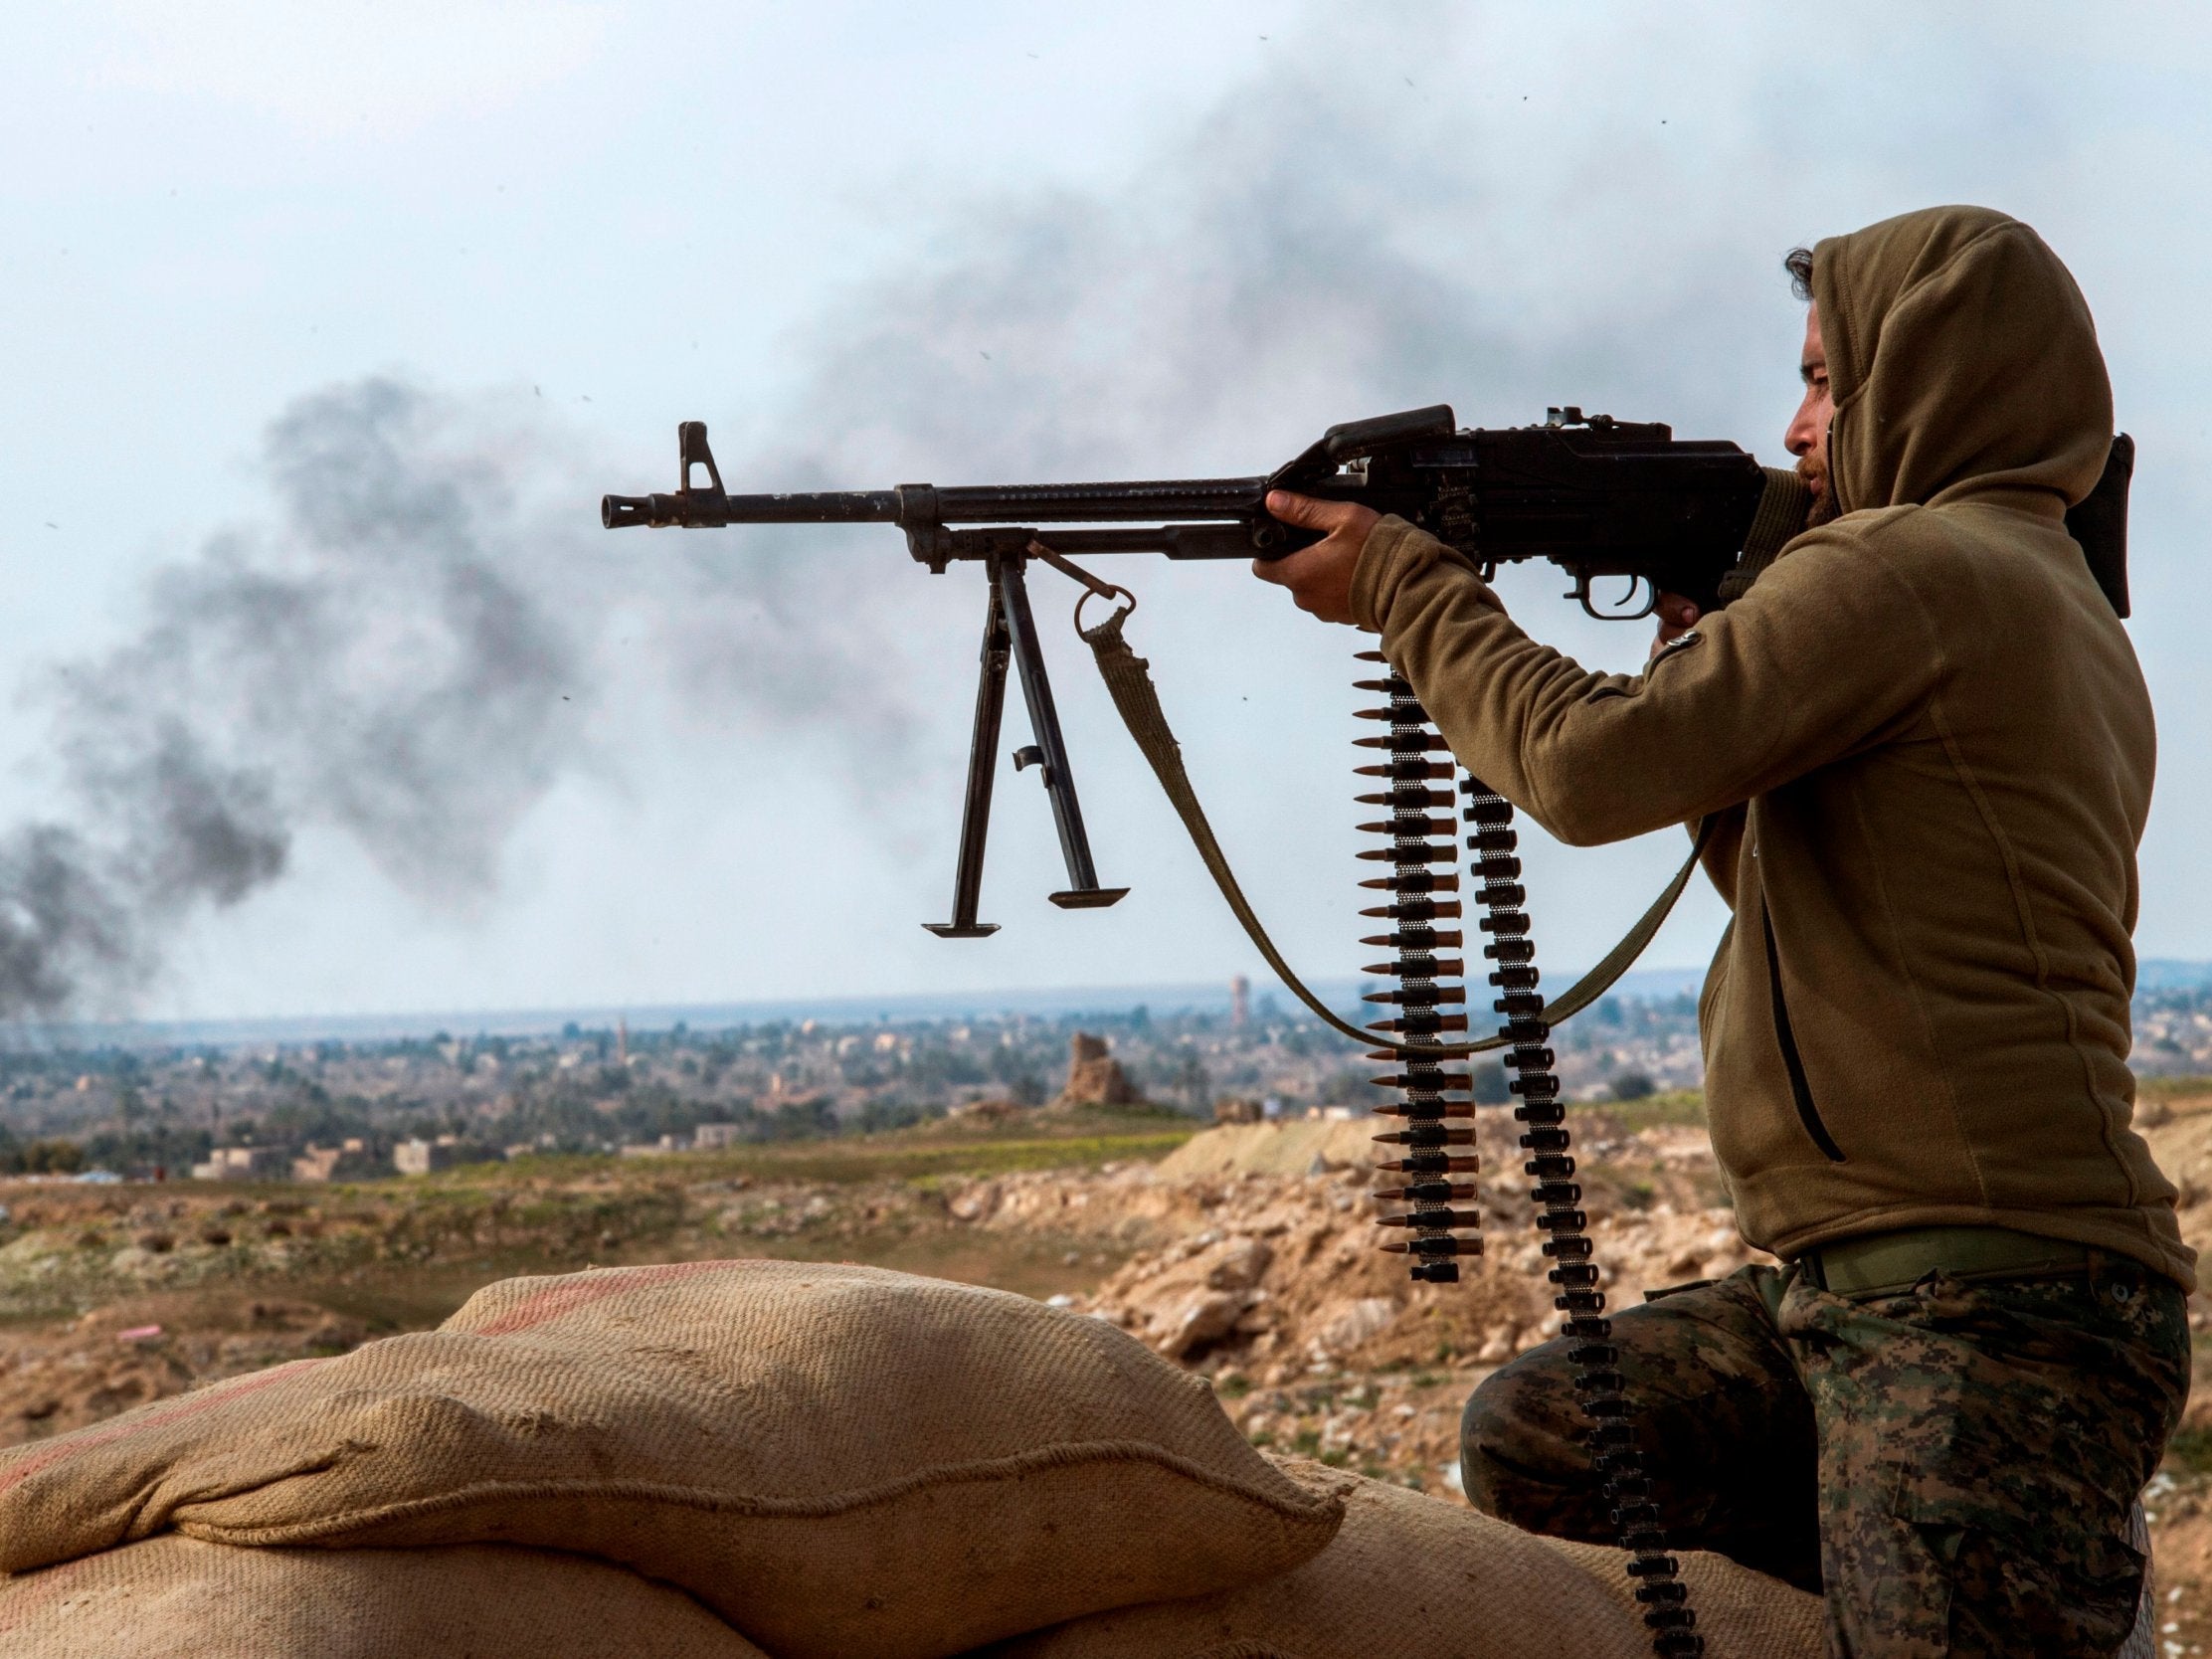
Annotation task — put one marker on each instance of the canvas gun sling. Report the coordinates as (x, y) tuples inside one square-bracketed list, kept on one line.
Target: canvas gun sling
[(1129, 682)]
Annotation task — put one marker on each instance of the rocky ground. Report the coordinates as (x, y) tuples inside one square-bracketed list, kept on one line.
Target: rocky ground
[(1254, 1264), (1246, 1253)]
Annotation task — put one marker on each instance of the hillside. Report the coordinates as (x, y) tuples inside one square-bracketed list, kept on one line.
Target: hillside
[(1244, 1252)]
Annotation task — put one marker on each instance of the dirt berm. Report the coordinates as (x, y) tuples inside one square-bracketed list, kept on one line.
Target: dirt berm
[(1269, 1262)]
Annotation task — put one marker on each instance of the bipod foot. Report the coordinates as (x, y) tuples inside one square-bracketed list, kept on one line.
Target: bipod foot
[(1089, 898)]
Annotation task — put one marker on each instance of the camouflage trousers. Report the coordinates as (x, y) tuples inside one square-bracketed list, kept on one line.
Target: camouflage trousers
[(1952, 1467)]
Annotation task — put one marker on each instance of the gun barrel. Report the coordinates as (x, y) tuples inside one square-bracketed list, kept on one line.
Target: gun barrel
[(923, 506), (705, 508)]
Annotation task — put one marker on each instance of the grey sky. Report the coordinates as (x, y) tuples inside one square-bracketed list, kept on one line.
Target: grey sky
[(874, 243)]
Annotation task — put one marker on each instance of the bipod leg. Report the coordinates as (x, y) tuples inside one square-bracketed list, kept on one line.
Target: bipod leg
[(982, 758), (1049, 752)]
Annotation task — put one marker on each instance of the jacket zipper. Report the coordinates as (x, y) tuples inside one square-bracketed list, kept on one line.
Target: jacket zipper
[(1807, 1113)]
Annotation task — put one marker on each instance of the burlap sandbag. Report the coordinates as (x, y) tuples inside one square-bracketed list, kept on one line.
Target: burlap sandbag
[(1740, 1613), (841, 1460), (174, 1597), (1416, 1578)]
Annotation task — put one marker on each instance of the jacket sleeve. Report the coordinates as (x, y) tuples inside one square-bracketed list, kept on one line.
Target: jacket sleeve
[(1827, 654)]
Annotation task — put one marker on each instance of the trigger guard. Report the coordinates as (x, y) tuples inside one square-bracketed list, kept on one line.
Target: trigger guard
[(1581, 592)]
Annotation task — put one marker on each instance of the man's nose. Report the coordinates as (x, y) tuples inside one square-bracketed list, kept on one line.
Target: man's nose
[(1799, 439)]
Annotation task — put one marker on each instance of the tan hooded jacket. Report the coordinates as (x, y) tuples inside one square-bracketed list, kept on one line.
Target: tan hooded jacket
[(1932, 749)]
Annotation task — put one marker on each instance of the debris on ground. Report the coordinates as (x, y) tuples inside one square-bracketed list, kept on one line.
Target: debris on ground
[(1256, 1248)]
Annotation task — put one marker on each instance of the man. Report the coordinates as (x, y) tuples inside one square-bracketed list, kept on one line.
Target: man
[(1930, 750)]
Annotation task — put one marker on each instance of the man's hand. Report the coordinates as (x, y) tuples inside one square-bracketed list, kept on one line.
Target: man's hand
[(1319, 577), (1677, 616)]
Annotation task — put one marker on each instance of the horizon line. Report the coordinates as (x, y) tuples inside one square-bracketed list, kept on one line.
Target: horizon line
[(977, 1002)]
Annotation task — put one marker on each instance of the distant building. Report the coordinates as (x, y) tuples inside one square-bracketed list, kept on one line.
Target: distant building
[(713, 1137), (240, 1163), (349, 1157), (419, 1157), (1240, 1003)]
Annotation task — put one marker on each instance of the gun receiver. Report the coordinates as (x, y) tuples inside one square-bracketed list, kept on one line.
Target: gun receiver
[(1599, 497)]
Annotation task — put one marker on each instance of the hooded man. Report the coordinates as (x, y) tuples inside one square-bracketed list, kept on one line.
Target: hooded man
[(1928, 749)]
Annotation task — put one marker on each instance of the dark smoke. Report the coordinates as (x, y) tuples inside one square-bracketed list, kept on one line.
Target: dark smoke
[(61, 926), (366, 660)]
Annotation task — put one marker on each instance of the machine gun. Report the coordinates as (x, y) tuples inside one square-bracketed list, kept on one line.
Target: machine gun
[(1599, 498), (1596, 497)]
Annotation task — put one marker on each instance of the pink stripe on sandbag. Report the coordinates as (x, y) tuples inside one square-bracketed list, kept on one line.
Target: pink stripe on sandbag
[(191, 1406), (571, 1295)]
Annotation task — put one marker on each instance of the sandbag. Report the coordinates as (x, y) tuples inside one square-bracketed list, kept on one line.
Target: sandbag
[(174, 1597), (1409, 1576), (1742, 1614), (841, 1460)]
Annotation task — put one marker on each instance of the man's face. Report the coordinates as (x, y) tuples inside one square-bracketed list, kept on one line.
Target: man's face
[(1808, 437)]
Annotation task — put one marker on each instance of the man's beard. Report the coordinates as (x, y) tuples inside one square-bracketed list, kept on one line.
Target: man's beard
[(1823, 495)]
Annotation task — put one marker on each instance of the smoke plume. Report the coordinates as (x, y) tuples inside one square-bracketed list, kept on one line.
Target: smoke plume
[(367, 660)]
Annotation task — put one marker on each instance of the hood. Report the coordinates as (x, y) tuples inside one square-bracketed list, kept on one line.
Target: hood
[(1963, 363)]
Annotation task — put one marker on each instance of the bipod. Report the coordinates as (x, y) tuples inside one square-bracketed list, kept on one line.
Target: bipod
[(1010, 630)]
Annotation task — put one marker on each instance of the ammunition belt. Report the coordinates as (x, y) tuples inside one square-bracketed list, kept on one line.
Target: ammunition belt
[(1436, 1148), (1438, 1136)]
